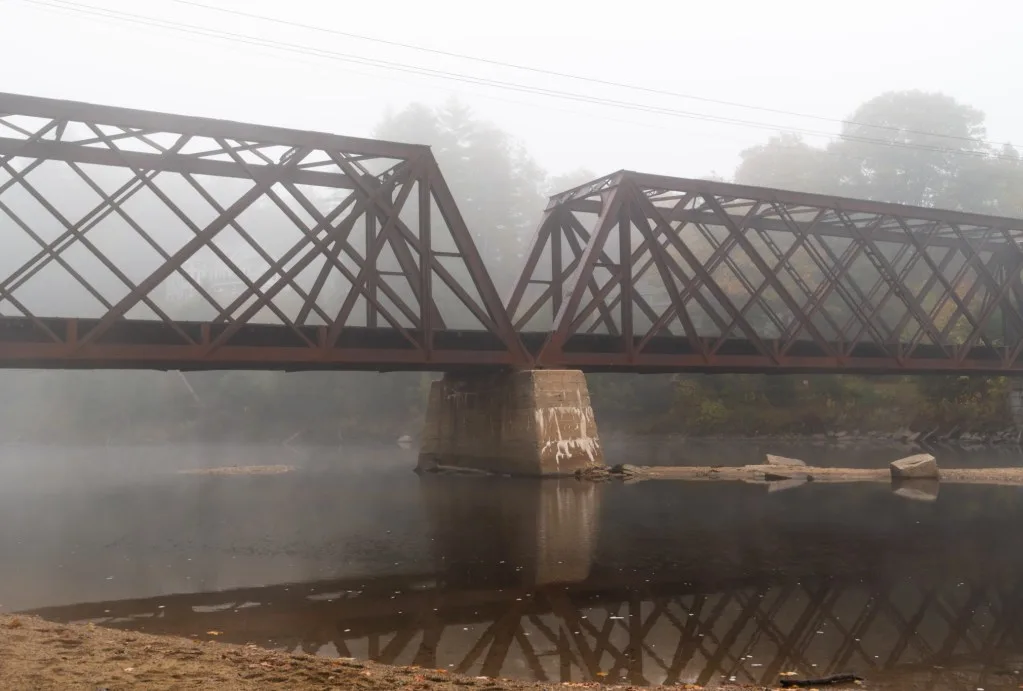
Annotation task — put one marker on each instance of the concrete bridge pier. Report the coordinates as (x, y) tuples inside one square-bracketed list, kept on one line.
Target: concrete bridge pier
[(529, 422)]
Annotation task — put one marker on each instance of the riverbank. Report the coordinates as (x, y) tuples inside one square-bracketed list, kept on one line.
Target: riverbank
[(778, 473), (37, 655), (846, 440)]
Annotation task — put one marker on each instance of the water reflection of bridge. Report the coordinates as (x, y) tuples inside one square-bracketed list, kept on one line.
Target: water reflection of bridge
[(641, 632), (522, 586)]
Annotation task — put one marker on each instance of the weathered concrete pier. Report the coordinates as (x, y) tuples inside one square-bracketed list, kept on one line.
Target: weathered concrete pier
[(528, 422)]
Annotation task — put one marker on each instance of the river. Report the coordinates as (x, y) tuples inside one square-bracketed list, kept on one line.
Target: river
[(353, 554)]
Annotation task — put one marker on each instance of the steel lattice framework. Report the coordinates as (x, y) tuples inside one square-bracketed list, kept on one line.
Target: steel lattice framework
[(144, 240), (139, 239), (643, 272)]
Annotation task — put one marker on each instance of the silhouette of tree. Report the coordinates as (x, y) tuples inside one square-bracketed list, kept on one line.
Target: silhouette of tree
[(907, 147), (499, 188)]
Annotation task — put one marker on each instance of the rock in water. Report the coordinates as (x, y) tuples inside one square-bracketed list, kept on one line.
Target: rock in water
[(922, 465), (781, 460), (917, 490), (782, 485)]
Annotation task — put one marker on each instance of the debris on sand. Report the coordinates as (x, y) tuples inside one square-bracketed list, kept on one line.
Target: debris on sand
[(602, 473), (823, 681), (626, 470), (595, 473), (166, 663)]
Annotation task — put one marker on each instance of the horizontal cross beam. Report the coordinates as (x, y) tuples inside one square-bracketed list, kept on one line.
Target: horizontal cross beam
[(34, 106)]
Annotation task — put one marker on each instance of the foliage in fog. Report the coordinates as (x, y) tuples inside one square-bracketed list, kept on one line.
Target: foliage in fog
[(905, 157), (902, 147), (497, 184)]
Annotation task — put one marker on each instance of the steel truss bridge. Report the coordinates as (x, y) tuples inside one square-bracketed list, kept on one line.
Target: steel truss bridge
[(135, 239)]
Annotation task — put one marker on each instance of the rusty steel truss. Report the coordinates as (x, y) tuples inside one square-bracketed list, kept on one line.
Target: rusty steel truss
[(140, 239), (649, 273), (144, 240)]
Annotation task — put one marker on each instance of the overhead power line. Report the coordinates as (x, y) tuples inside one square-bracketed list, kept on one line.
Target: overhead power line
[(104, 13), (312, 59), (575, 77)]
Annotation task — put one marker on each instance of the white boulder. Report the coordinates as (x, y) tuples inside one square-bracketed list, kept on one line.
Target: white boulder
[(782, 461), (921, 465)]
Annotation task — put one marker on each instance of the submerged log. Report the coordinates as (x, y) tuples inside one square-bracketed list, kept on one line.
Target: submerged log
[(822, 681)]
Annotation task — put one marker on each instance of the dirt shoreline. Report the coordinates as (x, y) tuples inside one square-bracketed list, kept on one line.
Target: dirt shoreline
[(37, 655)]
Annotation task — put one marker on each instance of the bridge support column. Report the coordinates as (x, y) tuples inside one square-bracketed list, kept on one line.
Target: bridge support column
[(531, 422)]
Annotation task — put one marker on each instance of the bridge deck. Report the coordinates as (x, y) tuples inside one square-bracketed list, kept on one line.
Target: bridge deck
[(154, 345)]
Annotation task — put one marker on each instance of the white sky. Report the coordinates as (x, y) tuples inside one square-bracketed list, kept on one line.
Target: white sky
[(807, 56)]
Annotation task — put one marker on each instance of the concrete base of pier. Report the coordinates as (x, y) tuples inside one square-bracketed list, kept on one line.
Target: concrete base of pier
[(532, 422)]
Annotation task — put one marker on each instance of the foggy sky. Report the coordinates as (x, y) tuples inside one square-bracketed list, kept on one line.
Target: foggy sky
[(795, 55)]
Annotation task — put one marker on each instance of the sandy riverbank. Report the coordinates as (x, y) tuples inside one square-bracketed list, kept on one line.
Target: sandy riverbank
[(760, 473), (36, 655)]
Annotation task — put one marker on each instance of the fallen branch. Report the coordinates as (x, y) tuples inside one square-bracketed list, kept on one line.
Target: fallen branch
[(823, 681)]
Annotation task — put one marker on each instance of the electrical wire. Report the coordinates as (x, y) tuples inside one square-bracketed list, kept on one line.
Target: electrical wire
[(90, 10), (307, 60), (575, 77)]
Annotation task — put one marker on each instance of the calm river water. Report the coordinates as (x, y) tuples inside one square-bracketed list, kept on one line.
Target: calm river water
[(655, 582)]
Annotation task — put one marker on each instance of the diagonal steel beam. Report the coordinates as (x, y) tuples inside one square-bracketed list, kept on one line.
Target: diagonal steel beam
[(179, 258)]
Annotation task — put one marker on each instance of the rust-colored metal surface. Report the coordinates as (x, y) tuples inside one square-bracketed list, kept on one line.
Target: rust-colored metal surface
[(139, 239), (134, 239), (638, 272)]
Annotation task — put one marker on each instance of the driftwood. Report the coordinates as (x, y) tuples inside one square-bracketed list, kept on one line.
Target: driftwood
[(823, 681)]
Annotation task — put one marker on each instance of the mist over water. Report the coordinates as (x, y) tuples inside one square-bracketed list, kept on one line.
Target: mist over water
[(123, 521), (350, 552)]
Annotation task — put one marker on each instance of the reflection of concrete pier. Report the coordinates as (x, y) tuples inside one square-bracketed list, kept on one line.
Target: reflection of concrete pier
[(520, 532)]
